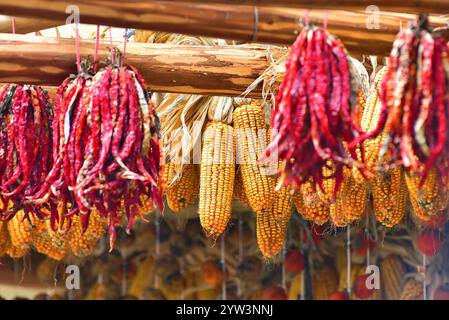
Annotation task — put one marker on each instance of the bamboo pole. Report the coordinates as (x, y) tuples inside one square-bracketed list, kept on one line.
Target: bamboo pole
[(221, 70), (361, 32)]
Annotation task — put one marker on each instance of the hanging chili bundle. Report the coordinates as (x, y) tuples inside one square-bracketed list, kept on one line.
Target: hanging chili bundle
[(313, 118), (415, 102), (25, 147), (123, 166), (72, 100), (106, 147)]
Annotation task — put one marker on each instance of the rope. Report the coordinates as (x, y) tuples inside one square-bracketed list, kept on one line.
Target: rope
[(110, 42), (223, 268), (77, 45), (424, 291), (13, 25), (325, 19), (348, 260), (306, 18), (256, 24), (97, 43), (124, 45)]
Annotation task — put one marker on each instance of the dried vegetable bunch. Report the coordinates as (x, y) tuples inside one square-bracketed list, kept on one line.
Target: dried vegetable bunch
[(314, 120), (25, 147), (415, 103), (106, 153)]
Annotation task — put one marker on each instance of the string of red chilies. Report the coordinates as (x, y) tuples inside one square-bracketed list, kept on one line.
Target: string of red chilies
[(415, 101), (106, 155), (312, 121), (25, 147)]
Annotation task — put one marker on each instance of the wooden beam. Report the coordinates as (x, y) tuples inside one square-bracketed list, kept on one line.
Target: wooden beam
[(25, 25), (274, 25), (439, 6), (226, 70)]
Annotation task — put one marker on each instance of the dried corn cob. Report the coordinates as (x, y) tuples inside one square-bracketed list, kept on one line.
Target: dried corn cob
[(412, 290), (44, 242), (310, 206), (146, 205), (16, 252), (4, 237), (370, 118), (350, 203), (168, 176), (272, 224), (392, 271), (217, 178), (432, 196), (389, 196), (184, 191), (324, 282), (83, 244), (19, 228), (326, 192), (239, 191), (252, 139)]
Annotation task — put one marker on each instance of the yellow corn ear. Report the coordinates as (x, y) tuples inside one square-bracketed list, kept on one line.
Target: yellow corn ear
[(324, 282), (390, 195), (239, 191), (44, 242), (146, 205), (84, 244), (369, 121), (168, 176), (412, 290), (310, 206), (217, 178), (326, 194), (271, 224), (252, 138), (392, 272), (4, 237), (16, 252), (183, 192), (20, 231), (432, 196), (350, 203)]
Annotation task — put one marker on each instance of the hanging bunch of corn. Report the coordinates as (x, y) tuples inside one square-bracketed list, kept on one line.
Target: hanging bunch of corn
[(271, 224), (25, 147), (315, 110), (415, 102), (251, 139), (392, 272)]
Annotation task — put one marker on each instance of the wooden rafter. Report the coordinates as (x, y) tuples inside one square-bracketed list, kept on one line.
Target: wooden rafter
[(242, 23), (221, 70)]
